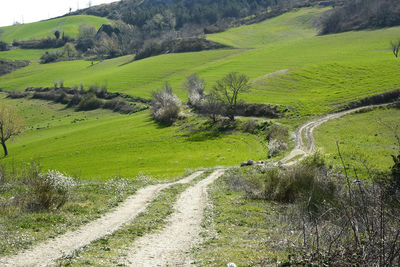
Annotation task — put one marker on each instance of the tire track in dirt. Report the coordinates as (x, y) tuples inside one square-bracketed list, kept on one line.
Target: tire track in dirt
[(49, 251), (302, 149), (171, 246)]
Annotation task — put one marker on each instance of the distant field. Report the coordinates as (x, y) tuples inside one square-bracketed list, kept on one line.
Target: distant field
[(101, 144), (322, 71), (28, 54), (69, 25), (361, 136)]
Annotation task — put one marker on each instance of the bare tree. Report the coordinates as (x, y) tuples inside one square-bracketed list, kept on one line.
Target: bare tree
[(211, 107), (395, 48), (228, 89), (11, 124)]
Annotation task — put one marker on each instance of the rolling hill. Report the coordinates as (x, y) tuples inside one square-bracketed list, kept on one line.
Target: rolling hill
[(69, 25), (289, 64)]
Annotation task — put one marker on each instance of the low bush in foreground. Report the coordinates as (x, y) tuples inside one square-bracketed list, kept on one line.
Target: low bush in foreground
[(340, 219), (36, 205)]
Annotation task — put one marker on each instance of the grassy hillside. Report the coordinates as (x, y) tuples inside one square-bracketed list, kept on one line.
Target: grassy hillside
[(70, 25), (361, 136), (23, 54), (101, 144), (322, 70)]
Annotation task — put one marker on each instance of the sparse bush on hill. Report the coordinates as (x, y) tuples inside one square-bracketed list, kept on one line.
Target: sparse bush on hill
[(45, 43), (4, 46), (86, 37), (177, 46), (50, 57), (228, 89), (195, 87), (165, 105), (361, 14), (383, 98), (8, 66), (89, 102), (96, 97)]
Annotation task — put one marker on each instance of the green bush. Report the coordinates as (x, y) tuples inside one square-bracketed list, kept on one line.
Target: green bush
[(306, 183), (90, 102)]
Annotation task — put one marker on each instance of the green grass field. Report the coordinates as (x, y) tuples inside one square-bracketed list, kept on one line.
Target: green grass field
[(322, 73), (361, 136), (32, 55), (322, 70), (100, 144), (69, 25)]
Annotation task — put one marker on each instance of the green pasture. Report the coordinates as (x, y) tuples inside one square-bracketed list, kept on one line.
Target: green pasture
[(101, 144), (69, 25), (322, 71), (361, 136), (32, 55)]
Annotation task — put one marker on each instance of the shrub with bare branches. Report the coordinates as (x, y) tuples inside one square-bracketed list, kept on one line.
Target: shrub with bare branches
[(165, 105)]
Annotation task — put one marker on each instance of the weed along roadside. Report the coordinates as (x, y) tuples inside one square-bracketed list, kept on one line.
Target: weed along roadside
[(64, 245)]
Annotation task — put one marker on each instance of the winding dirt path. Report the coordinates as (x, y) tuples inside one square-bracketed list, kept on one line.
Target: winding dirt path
[(46, 253), (172, 245), (302, 149)]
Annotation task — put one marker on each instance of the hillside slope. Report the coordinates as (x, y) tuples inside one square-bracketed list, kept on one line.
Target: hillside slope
[(334, 65), (69, 25)]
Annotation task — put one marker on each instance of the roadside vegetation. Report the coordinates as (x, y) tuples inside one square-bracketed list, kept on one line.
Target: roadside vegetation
[(36, 205), (315, 215)]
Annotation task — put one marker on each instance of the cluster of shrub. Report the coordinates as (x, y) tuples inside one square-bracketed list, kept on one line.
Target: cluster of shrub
[(384, 98), (94, 98), (276, 135), (44, 43), (166, 105), (341, 220), (361, 14), (210, 105), (35, 190), (177, 46), (4, 46), (7, 66)]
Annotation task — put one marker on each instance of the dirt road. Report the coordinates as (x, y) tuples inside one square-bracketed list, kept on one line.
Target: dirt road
[(171, 246), (303, 148), (46, 253)]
